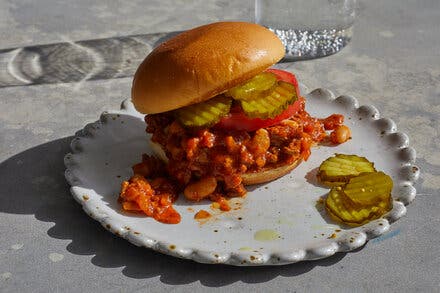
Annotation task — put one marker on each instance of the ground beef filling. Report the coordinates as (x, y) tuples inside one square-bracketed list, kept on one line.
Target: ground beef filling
[(210, 161)]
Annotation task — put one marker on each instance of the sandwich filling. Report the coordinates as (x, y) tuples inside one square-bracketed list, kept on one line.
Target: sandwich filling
[(224, 155), (208, 162)]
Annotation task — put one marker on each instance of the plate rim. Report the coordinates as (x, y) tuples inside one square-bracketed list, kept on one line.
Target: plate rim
[(348, 241)]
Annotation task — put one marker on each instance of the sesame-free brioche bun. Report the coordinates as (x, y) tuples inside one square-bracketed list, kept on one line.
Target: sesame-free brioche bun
[(201, 63), (268, 174)]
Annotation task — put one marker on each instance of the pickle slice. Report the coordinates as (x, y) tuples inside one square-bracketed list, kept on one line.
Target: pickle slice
[(369, 188), (342, 209), (272, 104), (339, 169), (204, 114), (254, 87), (339, 205)]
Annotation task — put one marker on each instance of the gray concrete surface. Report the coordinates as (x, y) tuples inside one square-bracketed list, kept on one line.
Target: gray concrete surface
[(48, 244)]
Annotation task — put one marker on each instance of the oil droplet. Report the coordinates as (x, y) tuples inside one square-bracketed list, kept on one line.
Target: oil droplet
[(266, 235), (245, 248)]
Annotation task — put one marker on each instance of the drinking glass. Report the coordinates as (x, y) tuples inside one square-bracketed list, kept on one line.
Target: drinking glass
[(308, 29)]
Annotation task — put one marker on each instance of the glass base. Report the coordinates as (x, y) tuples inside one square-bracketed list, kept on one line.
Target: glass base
[(308, 44)]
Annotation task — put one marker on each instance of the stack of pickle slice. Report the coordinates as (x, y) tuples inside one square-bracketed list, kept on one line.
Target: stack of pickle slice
[(263, 97), (359, 193)]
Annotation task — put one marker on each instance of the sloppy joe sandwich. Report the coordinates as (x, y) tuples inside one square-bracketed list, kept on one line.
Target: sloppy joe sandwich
[(218, 117)]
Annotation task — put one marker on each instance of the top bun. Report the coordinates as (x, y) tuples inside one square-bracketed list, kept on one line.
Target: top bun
[(201, 63)]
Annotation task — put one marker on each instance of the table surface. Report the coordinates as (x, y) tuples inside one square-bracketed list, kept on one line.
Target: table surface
[(48, 244)]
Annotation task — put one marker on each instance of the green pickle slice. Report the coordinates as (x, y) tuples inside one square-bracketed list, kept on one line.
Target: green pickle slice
[(369, 188), (253, 88), (339, 169), (359, 193), (340, 207), (204, 114), (269, 106)]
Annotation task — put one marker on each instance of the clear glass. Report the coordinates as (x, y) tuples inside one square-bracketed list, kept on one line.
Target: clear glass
[(308, 29)]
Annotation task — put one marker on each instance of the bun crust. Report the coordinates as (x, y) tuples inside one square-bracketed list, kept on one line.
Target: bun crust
[(203, 62), (268, 174)]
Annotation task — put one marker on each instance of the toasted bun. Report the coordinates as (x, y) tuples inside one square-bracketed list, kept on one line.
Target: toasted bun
[(203, 62), (267, 175)]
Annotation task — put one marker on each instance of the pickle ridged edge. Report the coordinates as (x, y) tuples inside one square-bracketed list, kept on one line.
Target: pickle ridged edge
[(204, 114), (271, 105)]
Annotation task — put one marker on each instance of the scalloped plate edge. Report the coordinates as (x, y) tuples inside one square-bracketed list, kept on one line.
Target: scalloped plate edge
[(347, 241)]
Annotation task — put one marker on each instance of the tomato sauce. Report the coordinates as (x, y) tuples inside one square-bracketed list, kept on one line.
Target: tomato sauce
[(222, 153), (219, 155), (201, 215), (225, 154), (138, 195)]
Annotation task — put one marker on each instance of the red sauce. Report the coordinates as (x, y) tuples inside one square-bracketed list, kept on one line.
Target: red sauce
[(225, 154), (215, 153), (201, 215), (332, 121), (223, 203), (138, 195)]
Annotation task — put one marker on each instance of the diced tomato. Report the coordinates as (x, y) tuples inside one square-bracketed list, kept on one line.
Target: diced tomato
[(237, 120)]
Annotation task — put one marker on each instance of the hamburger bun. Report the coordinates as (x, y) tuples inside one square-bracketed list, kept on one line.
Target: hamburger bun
[(201, 63), (268, 174)]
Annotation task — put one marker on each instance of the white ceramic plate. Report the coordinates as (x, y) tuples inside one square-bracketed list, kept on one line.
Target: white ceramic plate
[(277, 223)]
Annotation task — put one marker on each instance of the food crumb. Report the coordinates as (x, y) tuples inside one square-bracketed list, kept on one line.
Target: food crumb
[(202, 214), (332, 236)]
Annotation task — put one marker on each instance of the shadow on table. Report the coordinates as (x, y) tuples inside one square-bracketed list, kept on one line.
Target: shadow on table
[(78, 61), (33, 183)]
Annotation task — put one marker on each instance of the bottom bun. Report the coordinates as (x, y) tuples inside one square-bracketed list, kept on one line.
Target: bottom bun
[(267, 175)]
